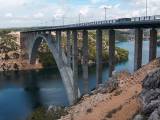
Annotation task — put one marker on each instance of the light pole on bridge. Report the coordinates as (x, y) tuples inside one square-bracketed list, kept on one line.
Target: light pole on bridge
[(63, 19), (79, 17), (105, 11)]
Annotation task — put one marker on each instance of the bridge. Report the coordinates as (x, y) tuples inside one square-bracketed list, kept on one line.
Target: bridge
[(31, 38)]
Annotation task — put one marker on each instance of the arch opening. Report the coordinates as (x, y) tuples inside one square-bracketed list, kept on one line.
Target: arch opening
[(61, 62)]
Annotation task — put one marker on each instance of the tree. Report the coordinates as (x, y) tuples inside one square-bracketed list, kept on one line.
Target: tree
[(45, 56)]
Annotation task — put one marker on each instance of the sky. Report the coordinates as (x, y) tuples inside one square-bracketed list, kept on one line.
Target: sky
[(24, 13)]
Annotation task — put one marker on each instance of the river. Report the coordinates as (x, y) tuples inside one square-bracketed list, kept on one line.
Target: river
[(22, 92)]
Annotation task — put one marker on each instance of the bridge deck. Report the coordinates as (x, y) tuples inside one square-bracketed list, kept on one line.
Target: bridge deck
[(119, 25), (122, 23)]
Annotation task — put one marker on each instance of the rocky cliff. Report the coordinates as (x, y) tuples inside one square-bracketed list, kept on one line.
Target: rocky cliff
[(150, 97)]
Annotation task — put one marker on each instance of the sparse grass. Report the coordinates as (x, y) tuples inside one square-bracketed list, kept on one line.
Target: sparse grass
[(89, 110), (117, 92), (42, 114), (110, 113)]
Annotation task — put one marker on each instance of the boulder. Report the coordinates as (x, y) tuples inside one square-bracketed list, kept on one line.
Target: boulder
[(108, 86), (139, 117), (152, 80), (149, 108), (154, 115), (148, 95), (111, 84), (158, 110)]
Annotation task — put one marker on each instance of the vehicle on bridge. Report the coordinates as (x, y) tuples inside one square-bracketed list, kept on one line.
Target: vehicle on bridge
[(124, 20)]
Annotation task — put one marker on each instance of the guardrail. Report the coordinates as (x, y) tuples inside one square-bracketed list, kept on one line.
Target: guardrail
[(104, 22)]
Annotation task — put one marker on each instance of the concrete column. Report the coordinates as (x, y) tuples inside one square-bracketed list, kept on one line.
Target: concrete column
[(98, 57), (138, 49), (75, 64), (56, 35), (22, 44), (85, 61), (58, 38), (111, 51), (153, 44), (69, 48)]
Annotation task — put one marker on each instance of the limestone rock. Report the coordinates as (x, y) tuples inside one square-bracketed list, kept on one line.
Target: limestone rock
[(152, 80), (150, 96), (109, 86), (138, 117), (154, 115), (149, 108)]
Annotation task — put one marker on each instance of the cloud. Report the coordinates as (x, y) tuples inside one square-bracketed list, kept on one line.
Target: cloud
[(37, 12), (84, 10), (38, 15), (59, 13), (8, 15)]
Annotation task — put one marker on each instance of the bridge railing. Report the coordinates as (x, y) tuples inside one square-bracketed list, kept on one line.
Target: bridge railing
[(102, 22), (133, 19)]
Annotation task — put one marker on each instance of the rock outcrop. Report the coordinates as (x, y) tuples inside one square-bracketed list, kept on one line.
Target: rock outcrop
[(108, 86), (150, 97)]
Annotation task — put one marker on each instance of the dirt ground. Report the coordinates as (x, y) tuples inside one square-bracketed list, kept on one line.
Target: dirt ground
[(121, 104)]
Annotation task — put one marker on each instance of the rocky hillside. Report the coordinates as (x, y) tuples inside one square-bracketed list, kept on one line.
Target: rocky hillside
[(150, 97)]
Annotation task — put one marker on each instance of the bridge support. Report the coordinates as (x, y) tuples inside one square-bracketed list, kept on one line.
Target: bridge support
[(153, 44), (98, 57), (138, 49), (69, 48), (111, 51), (58, 37), (75, 64), (85, 61)]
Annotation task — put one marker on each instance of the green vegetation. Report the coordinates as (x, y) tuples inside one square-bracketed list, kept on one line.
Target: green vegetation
[(41, 114), (158, 37), (47, 59), (45, 56), (7, 41), (122, 55)]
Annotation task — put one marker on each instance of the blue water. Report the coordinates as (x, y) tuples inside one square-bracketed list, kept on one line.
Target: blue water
[(22, 92)]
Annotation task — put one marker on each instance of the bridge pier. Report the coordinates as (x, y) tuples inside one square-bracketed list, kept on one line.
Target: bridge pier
[(153, 44), (75, 64), (59, 37), (85, 61), (111, 51), (69, 48), (138, 49), (98, 57)]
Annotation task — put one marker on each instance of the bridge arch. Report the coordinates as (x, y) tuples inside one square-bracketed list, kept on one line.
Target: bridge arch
[(61, 61)]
